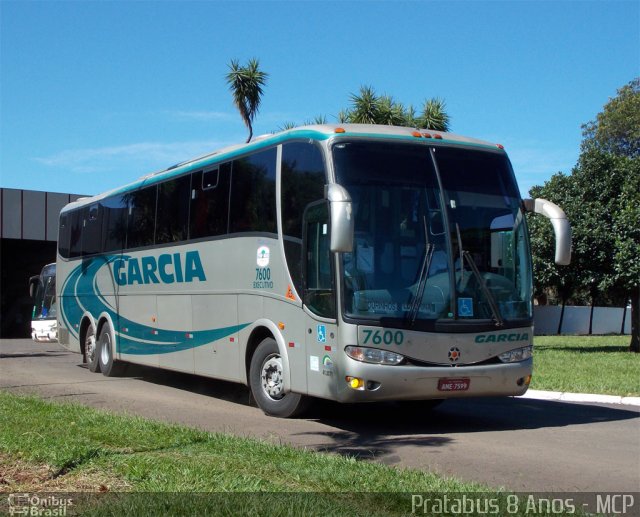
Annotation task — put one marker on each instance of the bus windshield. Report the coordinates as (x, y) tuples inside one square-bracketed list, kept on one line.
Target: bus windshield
[(44, 300), (439, 236)]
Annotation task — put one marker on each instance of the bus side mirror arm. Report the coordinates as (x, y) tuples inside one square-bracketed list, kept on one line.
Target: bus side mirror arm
[(33, 286), (560, 223), (340, 218)]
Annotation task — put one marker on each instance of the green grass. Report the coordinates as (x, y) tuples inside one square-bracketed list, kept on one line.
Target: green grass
[(176, 470), (586, 364)]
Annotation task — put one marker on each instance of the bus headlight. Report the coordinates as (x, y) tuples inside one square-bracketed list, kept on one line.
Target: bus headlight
[(519, 354), (373, 355)]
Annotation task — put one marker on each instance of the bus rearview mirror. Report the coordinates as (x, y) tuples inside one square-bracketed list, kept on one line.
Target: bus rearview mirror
[(560, 223), (33, 286), (341, 218)]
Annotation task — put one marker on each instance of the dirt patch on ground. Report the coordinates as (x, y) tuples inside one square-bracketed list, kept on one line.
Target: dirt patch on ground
[(17, 475)]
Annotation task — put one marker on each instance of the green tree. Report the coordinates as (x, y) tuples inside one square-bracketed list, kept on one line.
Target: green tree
[(246, 84), (602, 200), (617, 129), (626, 259), (434, 115), (369, 108), (365, 107)]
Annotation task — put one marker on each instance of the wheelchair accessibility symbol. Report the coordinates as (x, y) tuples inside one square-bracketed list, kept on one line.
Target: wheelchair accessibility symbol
[(322, 334), (465, 307)]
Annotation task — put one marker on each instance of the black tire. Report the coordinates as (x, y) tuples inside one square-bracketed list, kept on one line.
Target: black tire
[(266, 382), (90, 353), (109, 366)]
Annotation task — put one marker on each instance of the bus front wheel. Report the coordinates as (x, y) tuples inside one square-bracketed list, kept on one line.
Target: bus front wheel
[(266, 379)]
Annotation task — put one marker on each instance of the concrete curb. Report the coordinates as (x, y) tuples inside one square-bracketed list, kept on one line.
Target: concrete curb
[(581, 397)]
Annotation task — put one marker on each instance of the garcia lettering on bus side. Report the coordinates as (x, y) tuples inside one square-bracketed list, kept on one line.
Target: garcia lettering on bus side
[(167, 268)]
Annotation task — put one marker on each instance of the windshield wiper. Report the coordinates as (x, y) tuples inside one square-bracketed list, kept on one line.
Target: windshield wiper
[(483, 285), (424, 272)]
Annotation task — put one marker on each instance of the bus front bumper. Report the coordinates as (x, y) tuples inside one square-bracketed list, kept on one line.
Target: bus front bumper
[(44, 335), (380, 382)]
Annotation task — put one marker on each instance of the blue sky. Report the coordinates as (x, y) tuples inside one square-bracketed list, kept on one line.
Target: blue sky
[(95, 94)]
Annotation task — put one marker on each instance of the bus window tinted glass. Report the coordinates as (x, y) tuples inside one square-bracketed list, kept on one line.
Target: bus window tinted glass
[(303, 181), (141, 220), (253, 193), (63, 236), (114, 225), (172, 220), (92, 230), (210, 202), (75, 237)]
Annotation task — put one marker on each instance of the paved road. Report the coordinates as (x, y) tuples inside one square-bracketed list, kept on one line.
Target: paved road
[(518, 444)]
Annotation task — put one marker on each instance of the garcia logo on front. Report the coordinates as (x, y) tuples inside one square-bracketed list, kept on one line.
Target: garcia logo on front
[(167, 268), (502, 338)]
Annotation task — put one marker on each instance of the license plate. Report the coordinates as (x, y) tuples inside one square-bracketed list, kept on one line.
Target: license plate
[(453, 384)]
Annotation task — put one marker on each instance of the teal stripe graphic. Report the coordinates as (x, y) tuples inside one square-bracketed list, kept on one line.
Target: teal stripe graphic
[(80, 292)]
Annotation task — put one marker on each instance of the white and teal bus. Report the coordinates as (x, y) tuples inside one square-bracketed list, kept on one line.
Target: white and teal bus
[(353, 263), (42, 289)]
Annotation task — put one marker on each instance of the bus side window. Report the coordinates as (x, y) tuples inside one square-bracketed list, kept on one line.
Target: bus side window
[(92, 230), (114, 226), (209, 202), (63, 236), (75, 233), (142, 216), (319, 293), (172, 217), (253, 193)]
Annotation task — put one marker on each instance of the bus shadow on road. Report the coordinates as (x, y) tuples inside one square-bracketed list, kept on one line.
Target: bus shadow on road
[(373, 430), (32, 354), (370, 431), (465, 416), (219, 389)]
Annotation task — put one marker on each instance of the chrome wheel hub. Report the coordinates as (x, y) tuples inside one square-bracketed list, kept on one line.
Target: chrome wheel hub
[(90, 347), (271, 377), (105, 349)]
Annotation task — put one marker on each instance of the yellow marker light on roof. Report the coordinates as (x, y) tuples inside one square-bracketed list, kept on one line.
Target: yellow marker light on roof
[(417, 134), (339, 130)]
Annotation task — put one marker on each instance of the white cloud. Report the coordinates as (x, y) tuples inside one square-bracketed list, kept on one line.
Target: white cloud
[(205, 116), (144, 157)]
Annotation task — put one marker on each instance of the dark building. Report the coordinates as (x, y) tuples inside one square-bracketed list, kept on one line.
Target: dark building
[(28, 234)]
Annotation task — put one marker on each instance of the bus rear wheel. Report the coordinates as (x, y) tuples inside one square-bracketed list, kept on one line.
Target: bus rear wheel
[(109, 366), (91, 350), (266, 379)]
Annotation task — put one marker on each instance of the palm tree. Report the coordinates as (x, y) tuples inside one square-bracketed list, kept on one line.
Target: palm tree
[(390, 112), (369, 108), (246, 83), (365, 107), (434, 115)]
